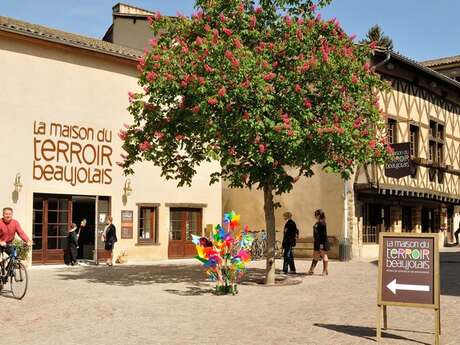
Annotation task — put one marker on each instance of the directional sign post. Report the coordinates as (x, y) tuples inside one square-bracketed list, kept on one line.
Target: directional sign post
[(408, 275)]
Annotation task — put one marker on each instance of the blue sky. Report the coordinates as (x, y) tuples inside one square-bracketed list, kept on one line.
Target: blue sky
[(420, 29)]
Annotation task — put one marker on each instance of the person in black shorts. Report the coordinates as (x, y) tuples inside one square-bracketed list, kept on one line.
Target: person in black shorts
[(320, 243)]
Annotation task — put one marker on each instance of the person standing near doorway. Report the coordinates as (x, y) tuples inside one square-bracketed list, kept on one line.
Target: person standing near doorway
[(291, 234), (320, 243), (456, 234), (73, 245), (109, 236)]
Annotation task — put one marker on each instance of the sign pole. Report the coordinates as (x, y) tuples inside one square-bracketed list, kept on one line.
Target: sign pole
[(385, 317), (437, 332), (379, 324)]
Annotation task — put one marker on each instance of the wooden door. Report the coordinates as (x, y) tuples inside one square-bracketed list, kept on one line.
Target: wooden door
[(102, 211), (51, 222), (183, 223)]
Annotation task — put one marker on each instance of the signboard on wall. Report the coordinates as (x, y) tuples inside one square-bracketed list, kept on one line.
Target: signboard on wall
[(400, 165), (127, 224)]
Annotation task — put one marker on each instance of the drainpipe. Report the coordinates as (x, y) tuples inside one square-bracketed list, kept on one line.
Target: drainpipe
[(345, 209)]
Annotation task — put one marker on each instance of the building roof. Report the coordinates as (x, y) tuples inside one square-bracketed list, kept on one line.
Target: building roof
[(442, 61), (423, 69), (69, 39)]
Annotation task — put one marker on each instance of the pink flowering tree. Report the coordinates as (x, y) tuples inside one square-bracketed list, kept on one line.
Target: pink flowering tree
[(267, 95)]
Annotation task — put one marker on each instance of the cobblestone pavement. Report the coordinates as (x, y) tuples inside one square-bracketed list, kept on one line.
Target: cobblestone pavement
[(171, 303)]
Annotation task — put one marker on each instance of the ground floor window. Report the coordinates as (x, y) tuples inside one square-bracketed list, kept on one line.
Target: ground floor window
[(375, 219), (148, 224)]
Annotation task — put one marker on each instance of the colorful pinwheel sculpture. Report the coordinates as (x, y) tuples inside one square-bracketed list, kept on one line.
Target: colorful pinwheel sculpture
[(226, 254)]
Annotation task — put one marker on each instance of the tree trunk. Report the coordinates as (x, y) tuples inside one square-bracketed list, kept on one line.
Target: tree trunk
[(269, 211)]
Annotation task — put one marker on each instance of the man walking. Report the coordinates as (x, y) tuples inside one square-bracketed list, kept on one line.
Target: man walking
[(291, 234)]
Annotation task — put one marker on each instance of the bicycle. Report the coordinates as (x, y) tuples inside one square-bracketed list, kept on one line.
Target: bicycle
[(13, 269), (259, 246)]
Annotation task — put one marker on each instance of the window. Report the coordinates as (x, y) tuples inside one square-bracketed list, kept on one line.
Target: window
[(406, 219), (439, 154), (391, 131), (185, 222), (432, 152), (413, 141), (148, 225), (440, 132), (433, 129), (375, 219)]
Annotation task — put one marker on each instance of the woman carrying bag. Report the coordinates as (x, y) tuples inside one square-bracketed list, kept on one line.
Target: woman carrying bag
[(109, 236), (320, 243)]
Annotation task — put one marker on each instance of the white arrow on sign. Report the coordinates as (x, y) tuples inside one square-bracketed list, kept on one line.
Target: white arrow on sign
[(394, 286)]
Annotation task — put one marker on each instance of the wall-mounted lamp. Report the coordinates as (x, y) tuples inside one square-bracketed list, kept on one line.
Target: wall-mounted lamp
[(127, 189), (17, 183)]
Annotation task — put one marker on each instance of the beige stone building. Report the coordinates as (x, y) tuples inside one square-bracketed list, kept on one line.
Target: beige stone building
[(63, 99)]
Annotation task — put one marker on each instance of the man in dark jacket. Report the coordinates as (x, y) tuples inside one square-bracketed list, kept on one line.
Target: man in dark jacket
[(291, 234)]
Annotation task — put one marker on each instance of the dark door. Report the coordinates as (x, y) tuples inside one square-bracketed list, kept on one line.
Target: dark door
[(183, 223), (51, 222)]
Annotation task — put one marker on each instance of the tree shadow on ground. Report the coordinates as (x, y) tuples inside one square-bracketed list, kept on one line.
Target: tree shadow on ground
[(366, 332), (192, 275)]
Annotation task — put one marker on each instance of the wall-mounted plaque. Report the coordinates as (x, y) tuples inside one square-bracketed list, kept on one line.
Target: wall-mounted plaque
[(400, 165), (127, 217)]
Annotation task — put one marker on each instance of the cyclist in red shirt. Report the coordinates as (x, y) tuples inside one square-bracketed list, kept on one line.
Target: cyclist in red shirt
[(9, 227)]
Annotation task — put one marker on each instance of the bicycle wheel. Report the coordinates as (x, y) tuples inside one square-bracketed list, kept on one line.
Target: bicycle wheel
[(19, 280)]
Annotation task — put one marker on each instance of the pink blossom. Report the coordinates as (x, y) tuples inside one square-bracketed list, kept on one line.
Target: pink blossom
[(245, 84), (366, 66), (299, 34), (123, 135), (150, 20), (185, 49), (262, 148), (354, 79), (259, 10), (153, 42), (313, 7), (228, 32), (290, 133), (270, 76), (131, 96), (232, 151), (300, 21), (372, 144), (145, 146), (222, 18), (159, 135), (306, 103), (201, 80), (288, 21), (352, 37), (229, 55), (222, 91), (235, 63), (126, 126), (390, 150), (297, 88), (246, 115), (179, 137), (198, 41), (151, 76), (252, 22), (277, 129), (373, 45), (207, 28), (208, 68), (212, 101), (157, 15), (196, 109), (237, 43)]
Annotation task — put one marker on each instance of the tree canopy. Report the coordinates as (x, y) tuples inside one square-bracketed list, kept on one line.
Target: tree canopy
[(263, 89)]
